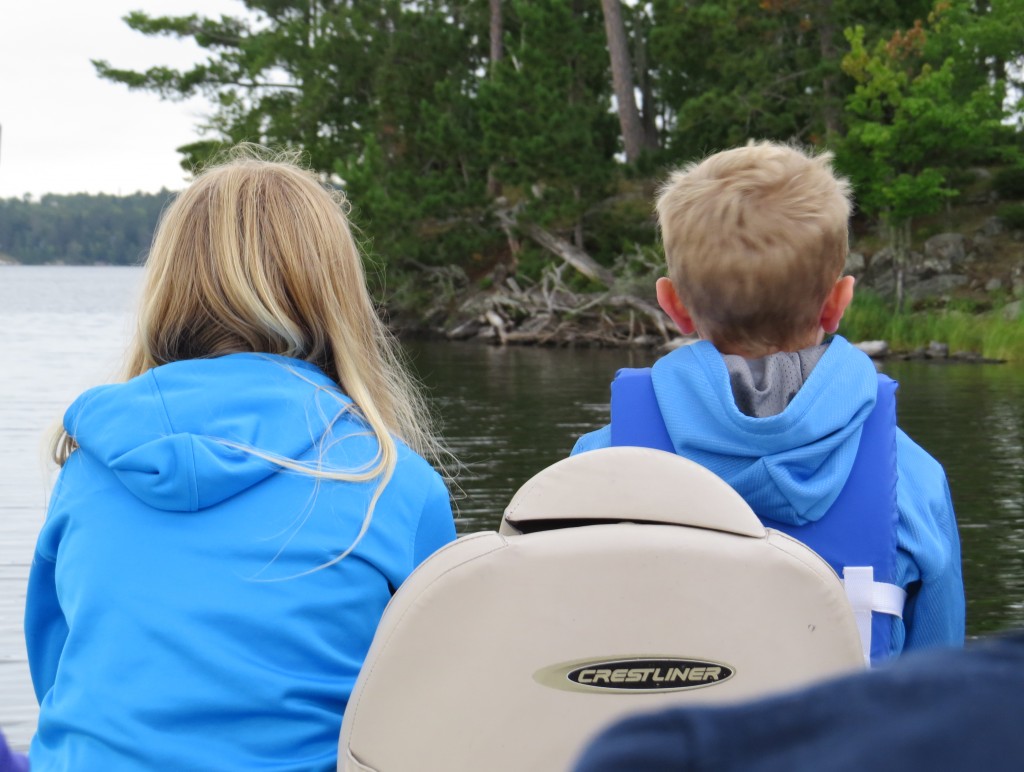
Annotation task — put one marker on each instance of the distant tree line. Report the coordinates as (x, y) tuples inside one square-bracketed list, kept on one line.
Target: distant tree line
[(80, 229)]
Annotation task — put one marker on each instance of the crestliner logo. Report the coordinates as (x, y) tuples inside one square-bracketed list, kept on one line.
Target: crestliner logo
[(639, 674)]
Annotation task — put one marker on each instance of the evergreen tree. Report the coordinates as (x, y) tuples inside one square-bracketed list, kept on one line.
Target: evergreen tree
[(918, 111), (733, 70), (460, 126), (545, 113)]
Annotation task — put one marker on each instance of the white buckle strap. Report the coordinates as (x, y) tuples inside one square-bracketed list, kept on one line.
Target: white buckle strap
[(867, 596)]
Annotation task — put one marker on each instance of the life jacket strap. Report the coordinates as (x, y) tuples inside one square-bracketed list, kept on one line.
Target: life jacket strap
[(867, 596)]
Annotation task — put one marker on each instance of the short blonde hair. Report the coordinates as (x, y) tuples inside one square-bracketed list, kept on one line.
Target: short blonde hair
[(755, 237), (256, 255)]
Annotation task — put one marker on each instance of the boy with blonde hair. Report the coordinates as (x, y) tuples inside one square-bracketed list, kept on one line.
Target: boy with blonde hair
[(756, 240)]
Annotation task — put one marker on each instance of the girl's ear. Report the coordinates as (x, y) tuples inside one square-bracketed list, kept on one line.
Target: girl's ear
[(670, 303), (836, 303)]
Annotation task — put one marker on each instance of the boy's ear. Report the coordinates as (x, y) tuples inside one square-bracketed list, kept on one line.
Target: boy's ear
[(670, 303), (836, 303)]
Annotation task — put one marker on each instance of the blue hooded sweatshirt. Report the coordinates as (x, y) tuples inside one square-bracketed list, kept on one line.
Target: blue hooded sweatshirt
[(791, 466), (181, 613)]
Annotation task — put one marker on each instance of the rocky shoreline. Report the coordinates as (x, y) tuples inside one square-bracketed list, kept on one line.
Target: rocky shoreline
[(933, 352), (989, 261), (604, 320), (983, 269)]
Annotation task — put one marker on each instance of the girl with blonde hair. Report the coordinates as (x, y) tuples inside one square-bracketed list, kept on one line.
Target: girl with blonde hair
[(231, 520)]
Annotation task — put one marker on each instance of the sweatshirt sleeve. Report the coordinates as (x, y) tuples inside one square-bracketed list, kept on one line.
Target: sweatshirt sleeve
[(437, 524), (929, 546), (601, 438), (46, 629)]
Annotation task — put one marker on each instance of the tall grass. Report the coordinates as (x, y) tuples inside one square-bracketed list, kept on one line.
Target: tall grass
[(990, 334)]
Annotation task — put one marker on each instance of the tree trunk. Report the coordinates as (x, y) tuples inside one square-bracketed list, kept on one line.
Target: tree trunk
[(899, 241), (829, 55), (497, 33), (577, 231), (899, 286), (622, 80), (494, 187), (648, 114)]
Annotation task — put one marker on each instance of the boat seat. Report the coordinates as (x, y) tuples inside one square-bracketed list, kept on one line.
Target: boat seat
[(620, 580)]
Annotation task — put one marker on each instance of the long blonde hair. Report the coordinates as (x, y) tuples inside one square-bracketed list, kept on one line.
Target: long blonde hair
[(256, 255)]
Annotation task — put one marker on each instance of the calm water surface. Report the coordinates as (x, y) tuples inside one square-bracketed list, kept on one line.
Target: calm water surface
[(507, 413), (510, 412), (61, 331)]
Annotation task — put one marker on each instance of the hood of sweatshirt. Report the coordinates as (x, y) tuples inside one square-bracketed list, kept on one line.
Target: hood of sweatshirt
[(791, 465), (168, 435)]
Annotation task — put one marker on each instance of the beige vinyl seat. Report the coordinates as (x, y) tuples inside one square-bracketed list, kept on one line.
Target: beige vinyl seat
[(621, 580)]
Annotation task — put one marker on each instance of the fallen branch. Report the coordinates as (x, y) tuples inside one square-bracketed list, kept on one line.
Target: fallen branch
[(656, 315), (558, 246), (571, 254)]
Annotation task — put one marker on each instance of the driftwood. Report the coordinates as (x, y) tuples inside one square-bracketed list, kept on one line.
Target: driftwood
[(652, 312), (517, 310), (549, 313)]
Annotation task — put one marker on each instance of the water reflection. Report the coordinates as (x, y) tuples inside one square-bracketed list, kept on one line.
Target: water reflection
[(510, 412), (971, 418)]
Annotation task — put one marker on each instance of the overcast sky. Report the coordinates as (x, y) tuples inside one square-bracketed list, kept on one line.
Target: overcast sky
[(64, 130)]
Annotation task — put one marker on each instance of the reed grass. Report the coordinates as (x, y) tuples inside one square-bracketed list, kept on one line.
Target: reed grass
[(994, 333)]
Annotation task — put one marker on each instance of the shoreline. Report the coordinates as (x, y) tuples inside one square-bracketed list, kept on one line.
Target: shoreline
[(490, 332), (547, 313)]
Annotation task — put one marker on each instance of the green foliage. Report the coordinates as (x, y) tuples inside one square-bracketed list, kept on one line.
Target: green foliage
[(918, 112), (906, 129), (287, 74), (543, 111), (985, 39), (637, 269), (80, 229), (1009, 182), (400, 104), (196, 155), (991, 334), (1012, 216), (621, 227), (734, 70), (417, 178)]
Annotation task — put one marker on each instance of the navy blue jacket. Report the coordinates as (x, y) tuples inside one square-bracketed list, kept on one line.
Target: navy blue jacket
[(949, 709), (9, 760)]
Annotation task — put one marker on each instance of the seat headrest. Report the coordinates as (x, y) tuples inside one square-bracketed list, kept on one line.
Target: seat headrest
[(628, 484)]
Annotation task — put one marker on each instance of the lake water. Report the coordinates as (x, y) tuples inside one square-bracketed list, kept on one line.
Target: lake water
[(507, 413)]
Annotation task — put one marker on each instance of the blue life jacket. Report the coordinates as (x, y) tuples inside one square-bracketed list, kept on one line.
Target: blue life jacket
[(856, 536)]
